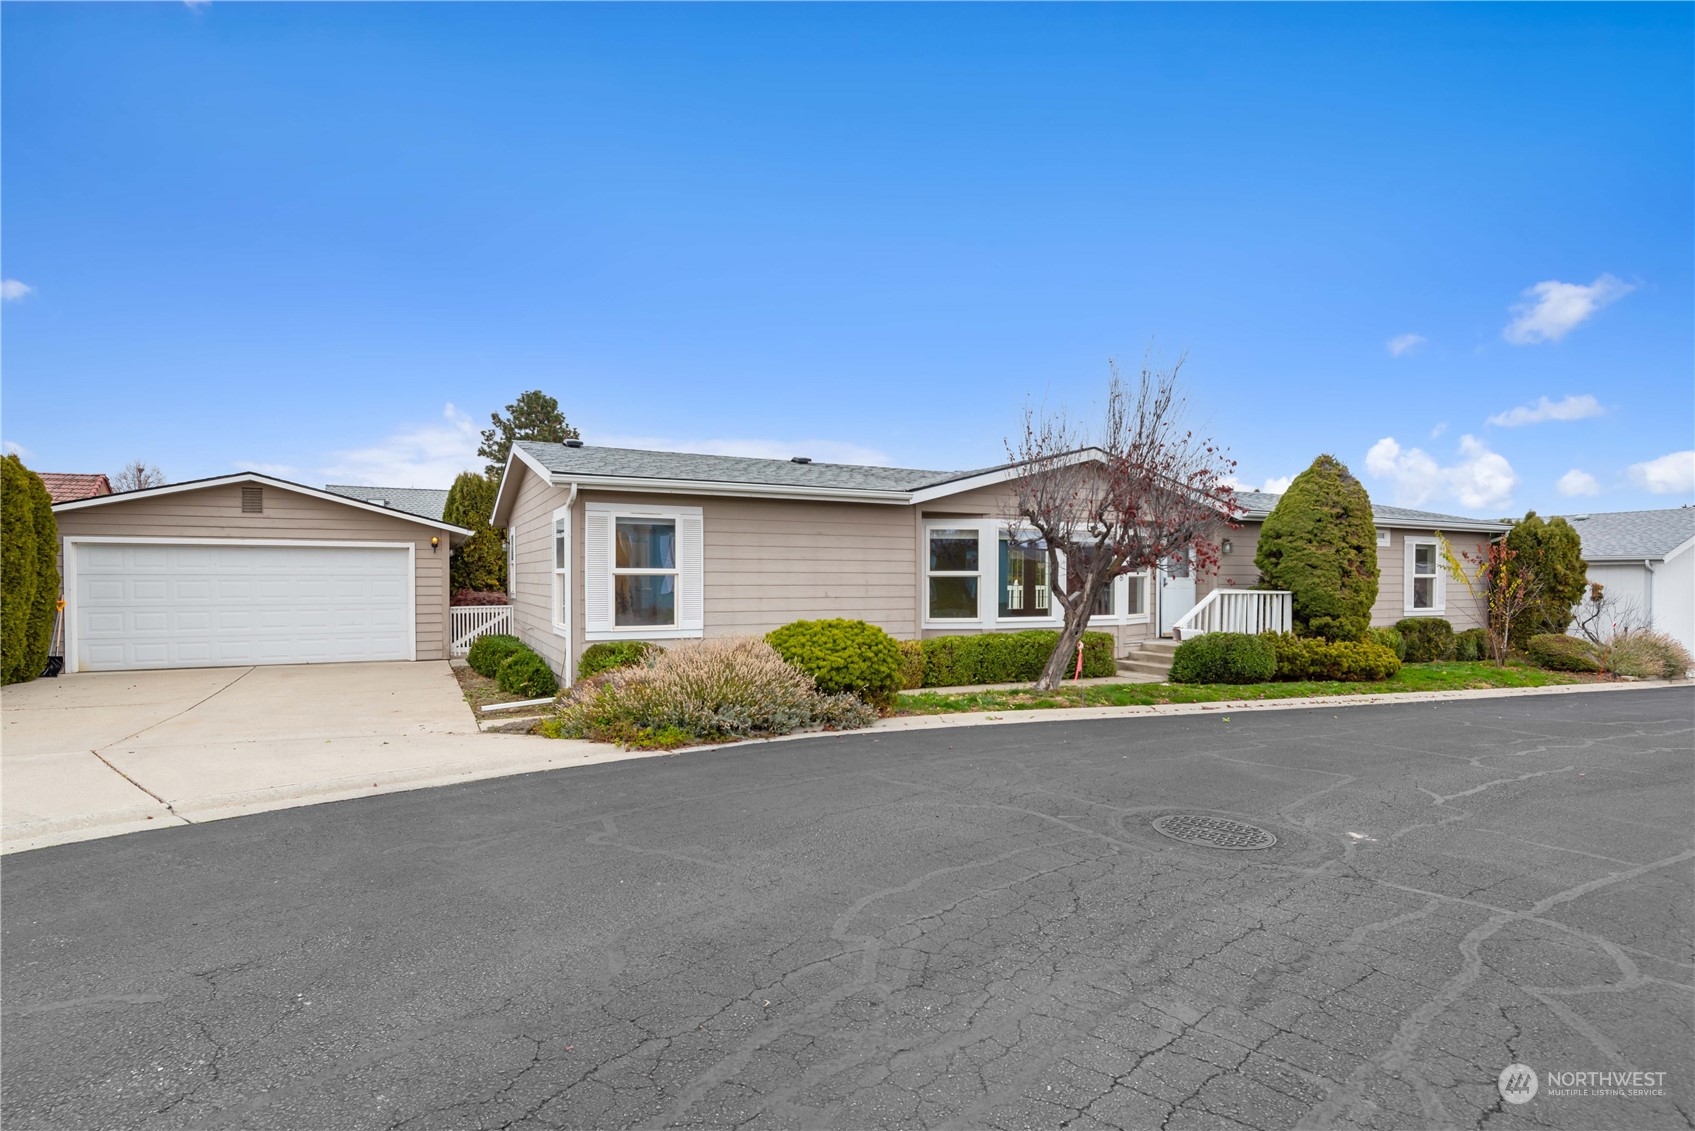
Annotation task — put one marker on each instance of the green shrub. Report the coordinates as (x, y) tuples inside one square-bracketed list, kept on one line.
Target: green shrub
[(488, 652), (1224, 657), (703, 691), (1311, 658), (1552, 553), (1471, 645), (614, 654), (1648, 655), (1391, 640), (842, 656), (1320, 543), (29, 572), (1008, 657), (1428, 639), (1561, 653), (911, 664), (525, 673)]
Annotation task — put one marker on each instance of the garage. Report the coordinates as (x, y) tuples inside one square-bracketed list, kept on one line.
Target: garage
[(189, 605), (246, 570)]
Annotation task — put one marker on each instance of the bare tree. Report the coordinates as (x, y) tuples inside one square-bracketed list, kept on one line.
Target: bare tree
[(1507, 587), (1118, 500), (1603, 616), (138, 475)]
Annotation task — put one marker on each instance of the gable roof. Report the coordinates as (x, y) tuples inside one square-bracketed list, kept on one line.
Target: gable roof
[(426, 502), (66, 486), (1633, 535), (263, 480), (1258, 504), (590, 462)]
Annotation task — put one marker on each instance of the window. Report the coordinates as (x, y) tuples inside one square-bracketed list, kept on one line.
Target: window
[(1076, 569), (644, 573), (511, 561), (1424, 587), (1135, 595), (561, 557), (1023, 588), (954, 569)]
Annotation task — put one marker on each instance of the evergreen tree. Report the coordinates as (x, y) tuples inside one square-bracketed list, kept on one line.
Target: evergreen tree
[(1320, 543), (533, 416), (479, 562), (1552, 553), (29, 572)]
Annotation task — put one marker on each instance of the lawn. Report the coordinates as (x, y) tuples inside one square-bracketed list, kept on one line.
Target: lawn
[(1412, 677)]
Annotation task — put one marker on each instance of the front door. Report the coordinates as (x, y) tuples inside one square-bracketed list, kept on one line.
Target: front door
[(1176, 590)]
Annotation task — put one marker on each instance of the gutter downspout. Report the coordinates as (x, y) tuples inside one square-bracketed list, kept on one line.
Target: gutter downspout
[(570, 672), (1648, 564)]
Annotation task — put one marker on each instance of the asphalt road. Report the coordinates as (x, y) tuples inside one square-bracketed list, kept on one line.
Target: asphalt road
[(956, 928)]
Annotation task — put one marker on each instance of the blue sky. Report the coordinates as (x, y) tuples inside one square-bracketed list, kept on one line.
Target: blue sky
[(1452, 245)]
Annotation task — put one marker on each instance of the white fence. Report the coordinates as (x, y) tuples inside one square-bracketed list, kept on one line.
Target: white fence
[(472, 621), (1238, 610)]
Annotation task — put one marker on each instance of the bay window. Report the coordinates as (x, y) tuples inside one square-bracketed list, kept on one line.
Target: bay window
[(954, 571), (1023, 589)]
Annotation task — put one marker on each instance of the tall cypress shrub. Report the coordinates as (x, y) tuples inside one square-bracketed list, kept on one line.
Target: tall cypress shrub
[(29, 572), (1320, 543), (480, 561), (1552, 552)]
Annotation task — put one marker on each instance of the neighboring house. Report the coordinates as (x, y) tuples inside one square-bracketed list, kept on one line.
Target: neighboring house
[(1646, 561), (68, 486), (618, 544), (249, 569), (422, 501)]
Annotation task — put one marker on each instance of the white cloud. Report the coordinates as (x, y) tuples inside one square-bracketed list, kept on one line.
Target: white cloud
[(12, 290), (1672, 474), (823, 451), (1576, 482), (1552, 309), (415, 455), (280, 470), (1481, 478), (1403, 344), (1571, 408), (1441, 427), (13, 448), (1275, 485)]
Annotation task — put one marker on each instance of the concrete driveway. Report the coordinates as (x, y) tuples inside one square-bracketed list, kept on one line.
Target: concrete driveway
[(98, 754)]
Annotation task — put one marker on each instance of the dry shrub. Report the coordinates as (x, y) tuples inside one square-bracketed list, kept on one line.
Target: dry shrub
[(1648, 655), (703, 691)]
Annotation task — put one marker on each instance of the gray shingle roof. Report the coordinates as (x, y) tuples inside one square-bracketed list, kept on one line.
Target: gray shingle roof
[(631, 463), (1259, 504), (1633, 534), (421, 501)]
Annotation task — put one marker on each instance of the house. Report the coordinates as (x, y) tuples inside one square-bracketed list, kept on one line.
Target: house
[(619, 544), (250, 569), (68, 486), (1646, 561), (421, 501)]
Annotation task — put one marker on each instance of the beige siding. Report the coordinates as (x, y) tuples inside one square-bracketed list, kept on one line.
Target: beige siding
[(1462, 610), (215, 512), (531, 528)]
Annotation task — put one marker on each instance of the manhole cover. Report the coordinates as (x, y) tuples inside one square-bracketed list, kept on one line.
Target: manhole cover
[(1214, 832)]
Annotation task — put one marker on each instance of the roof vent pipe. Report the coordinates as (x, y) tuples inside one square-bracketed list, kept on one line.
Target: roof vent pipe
[(573, 443), (800, 459)]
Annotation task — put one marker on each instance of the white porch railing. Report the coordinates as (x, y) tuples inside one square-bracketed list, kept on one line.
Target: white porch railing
[(1237, 610), (472, 621)]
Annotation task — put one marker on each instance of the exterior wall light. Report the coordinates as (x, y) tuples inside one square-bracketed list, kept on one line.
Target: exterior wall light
[(435, 543)]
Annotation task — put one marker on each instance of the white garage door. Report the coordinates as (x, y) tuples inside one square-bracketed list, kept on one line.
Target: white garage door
[(211, 605)]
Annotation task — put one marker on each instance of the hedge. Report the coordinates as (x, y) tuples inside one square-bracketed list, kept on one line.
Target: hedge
[(911, 664), (29, 572), (842, 657), (1224, 657), (1390, 639), (611, 655), (1008, 657), (489, 651), (1428, 638), (1561, 653), (1309, 658), (1471, 645), (525, 673)]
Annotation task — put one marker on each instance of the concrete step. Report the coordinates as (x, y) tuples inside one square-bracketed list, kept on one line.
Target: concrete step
[(1151, 667)]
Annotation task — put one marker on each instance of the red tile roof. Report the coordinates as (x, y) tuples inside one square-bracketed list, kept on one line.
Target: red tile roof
[(67, 486)]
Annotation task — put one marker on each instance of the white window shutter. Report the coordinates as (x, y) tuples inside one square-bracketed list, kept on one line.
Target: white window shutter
[(691, 563), (597, 571)]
